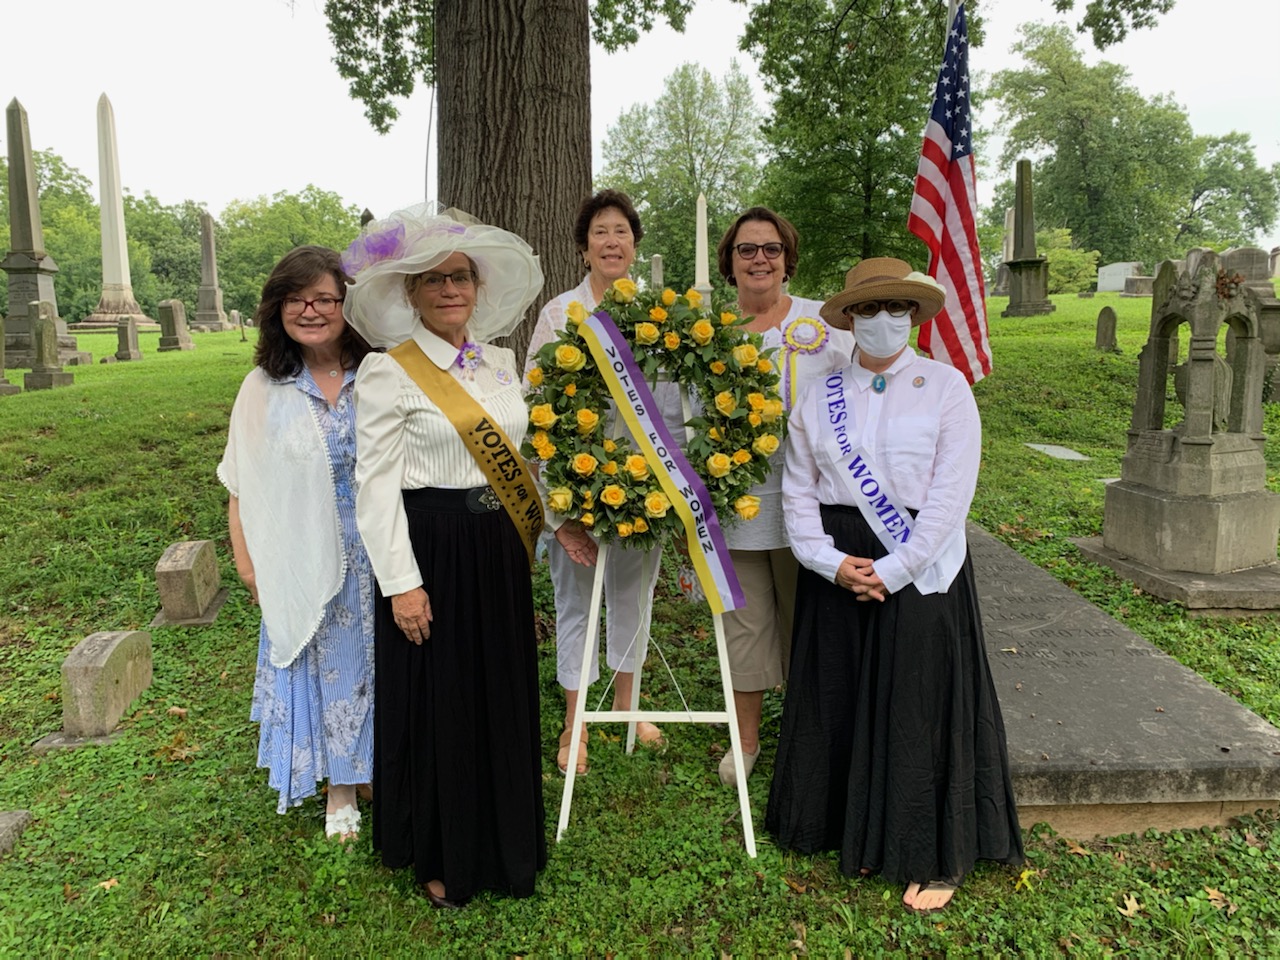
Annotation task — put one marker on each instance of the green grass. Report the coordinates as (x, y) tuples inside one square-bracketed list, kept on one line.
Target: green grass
[(166, 842)]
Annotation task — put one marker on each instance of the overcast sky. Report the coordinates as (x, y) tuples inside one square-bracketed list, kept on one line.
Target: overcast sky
[(233, 99)]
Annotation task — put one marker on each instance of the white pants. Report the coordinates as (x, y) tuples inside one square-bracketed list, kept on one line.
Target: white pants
[(628, 610)]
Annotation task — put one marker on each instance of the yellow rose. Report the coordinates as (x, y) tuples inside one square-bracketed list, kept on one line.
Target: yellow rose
[(588, 498), (571, 390), (624, 289), (668, 297), (719, 465), (560, 499), (588, 420), (714, 433), (746, 355), (576, 312), (545, 451), (741, 456), (764, 365), (541, 416), (610, 468), (726, 403), (766, 445), (535, 377), (640, 524), (755, 401), (569, 357), (656, 504), (539, 438), (694, 297), (747, 507), (657, 314), (718, 367), (646, 333), (702, 332), (636, 466), (584, 464), (625, 529), (727, 318), (587, 519), (613, 495), (670, 340), (610, 446), (772, 410), (753, 418)]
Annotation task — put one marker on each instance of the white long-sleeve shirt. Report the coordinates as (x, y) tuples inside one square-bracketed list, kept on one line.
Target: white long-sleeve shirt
[(923, 433), (404, 442)]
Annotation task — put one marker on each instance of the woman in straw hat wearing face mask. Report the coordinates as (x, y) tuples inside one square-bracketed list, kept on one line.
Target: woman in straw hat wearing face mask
[(892, 749), (450, 516)]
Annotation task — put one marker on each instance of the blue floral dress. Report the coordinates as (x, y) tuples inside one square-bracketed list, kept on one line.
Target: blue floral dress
[(317, 713)]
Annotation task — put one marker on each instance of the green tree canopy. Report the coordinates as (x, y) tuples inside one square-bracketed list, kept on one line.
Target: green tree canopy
[(700, 136)]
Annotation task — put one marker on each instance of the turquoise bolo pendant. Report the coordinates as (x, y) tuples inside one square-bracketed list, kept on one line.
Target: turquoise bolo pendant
[(877, 383)]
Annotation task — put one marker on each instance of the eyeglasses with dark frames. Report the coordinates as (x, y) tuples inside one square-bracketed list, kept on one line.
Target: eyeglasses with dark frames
[(747, 251), (462, 279), (324, 306), (867, 310)]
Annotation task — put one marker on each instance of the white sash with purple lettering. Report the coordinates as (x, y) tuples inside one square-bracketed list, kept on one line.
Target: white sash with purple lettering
[(867, 484)]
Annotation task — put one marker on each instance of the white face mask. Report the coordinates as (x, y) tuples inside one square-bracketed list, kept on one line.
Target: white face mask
[(882, 335)]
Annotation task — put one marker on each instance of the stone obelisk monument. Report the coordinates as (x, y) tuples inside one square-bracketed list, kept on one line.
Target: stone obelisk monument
[(209, 312), (29, 266), (117, 301), (1028, 273)]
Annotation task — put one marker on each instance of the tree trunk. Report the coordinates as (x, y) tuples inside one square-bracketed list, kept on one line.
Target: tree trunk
[(515, 125)]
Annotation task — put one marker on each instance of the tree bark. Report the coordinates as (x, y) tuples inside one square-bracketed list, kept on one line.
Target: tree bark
[(514, 128)]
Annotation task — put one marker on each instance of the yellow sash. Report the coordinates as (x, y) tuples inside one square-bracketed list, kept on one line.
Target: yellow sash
[(493, 450)]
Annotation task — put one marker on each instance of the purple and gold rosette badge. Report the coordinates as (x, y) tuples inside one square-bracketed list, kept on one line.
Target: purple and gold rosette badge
[(802, 335)]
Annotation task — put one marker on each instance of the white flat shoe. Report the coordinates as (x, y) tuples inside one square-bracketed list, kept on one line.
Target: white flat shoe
[(729, 773), (343, 823)]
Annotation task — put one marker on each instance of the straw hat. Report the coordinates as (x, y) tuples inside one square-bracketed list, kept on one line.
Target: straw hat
[(412, 241), (884, 278)]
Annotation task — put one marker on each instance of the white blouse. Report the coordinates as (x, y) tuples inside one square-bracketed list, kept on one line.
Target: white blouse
[(923, 433), (404, 442), (767, 531)]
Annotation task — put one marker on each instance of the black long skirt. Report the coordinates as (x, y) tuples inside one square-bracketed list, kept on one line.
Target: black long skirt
[(457, 771), (893, 749)]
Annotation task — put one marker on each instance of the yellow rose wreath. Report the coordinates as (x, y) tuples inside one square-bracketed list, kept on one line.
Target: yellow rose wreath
[(603, 481)]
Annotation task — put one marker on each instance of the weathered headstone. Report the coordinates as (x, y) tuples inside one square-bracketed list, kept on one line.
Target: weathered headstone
[(28, 264), (1192, 503), (209, 312), (655, 271), (173, 327), (6, 388), (117, 299), (1001, 286), (1111, 276), (46, 372), (1275, 261), (127, 340), (101, 677), (1138, 286), (189, 585), (1028, 273), (12, 823), (1105, 337)]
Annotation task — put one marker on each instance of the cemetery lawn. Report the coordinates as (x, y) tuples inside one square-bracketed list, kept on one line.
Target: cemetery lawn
[(167, 841)]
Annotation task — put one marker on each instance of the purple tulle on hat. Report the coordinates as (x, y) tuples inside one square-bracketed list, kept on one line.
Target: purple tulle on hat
[(369, 248)]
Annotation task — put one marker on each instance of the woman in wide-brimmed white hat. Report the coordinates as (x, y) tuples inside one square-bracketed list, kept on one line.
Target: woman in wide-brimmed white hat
[(449, 515), (893, 749)]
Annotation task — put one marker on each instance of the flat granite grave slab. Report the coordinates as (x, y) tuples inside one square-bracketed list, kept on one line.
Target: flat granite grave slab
[(1057, 452), (1108, 734)]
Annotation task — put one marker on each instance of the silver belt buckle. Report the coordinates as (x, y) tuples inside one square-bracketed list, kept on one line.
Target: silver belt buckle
[(483, 500)]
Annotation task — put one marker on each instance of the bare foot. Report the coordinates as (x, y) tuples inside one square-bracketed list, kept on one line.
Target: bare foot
[(928, 897), (649, 735), (365, 792)]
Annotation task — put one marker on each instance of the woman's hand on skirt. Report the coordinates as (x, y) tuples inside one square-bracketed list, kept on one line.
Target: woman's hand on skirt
[(412, 613), (858, 575), (578, 544)]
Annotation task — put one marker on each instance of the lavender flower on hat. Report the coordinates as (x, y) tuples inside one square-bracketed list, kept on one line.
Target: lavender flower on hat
[(367, 249)]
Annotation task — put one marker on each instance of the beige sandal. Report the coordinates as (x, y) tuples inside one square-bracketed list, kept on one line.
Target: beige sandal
[(562, 756)]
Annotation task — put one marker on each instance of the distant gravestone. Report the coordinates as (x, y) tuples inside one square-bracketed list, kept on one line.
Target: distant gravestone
[(1001, 286), (1105, 337), (1028, 273), (6, 388), (127, 340), (1275, 261), (655, 271), (1138, 286), (173, 327), (209, 312), (46, 373), (366, 217), (1111, 276), (189, 585)]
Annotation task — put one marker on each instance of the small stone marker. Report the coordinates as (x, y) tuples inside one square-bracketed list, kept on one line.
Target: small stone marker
[(46, 372), (100, 678), (1111, 276), (1057, 452), (12, 823), (1105, 338), (6, 388), (189, 585), (173, 327), (1138, 286), (127, 340)]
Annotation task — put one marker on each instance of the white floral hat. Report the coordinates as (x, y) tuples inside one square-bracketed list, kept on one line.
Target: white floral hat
[(885, 278), (414, 240)]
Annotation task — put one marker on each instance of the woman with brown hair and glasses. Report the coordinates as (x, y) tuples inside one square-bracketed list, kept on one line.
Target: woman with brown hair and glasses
[(289, 466)]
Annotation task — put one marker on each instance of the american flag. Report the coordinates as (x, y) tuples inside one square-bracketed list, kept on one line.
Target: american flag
[(943, 211)]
